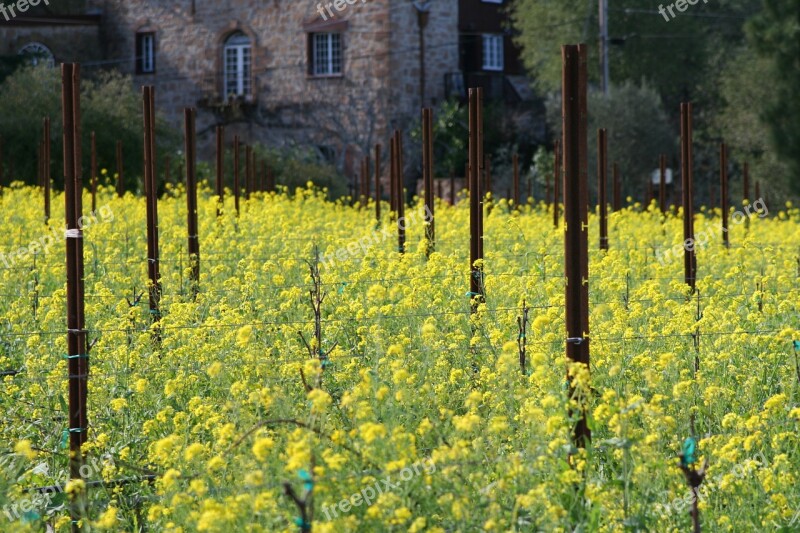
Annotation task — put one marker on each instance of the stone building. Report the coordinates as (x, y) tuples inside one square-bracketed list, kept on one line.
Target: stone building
[(338, 75), (50, 37), (283, 70)]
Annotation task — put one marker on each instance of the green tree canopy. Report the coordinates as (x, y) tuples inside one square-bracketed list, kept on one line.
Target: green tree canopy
[(775, 34), (109, 105)]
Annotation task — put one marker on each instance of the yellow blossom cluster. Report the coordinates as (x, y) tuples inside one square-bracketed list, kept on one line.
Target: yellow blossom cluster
[(237, 395)]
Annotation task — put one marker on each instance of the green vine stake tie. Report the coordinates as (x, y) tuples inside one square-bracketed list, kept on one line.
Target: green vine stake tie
[(689, 451), (796, 345), (305, 477)]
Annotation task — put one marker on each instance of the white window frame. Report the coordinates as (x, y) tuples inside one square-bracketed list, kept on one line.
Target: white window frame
[(325, 63), (239, 49), (493, 52)]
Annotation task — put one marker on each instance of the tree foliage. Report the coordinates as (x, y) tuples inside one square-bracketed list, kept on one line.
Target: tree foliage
[(638, 132), (109, 106), (775, 34), (672, 56)]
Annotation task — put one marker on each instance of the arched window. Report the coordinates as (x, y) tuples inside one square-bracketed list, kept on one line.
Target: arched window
[(238, 63), (37, 53)]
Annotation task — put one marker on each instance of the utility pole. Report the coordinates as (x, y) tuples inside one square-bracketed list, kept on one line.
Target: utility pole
[(603, 7)]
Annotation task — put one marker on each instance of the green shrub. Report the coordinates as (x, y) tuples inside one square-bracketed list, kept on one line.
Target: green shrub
[(110, 107)]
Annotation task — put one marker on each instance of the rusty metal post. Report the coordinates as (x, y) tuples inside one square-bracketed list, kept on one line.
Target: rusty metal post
[(367, 184), (392, 176), (689, 258), (515, 170), (481, 160), (191, 197), (476, 270), (662, 183), (401, 201), (46, 168), (427, 178), (248, 171), (746, 181), (556, 185), (236, 165), (378, 183), (452, 188), (77, 348), (120, 178), (602, 169), (617, 187), (151, 193), (576, 237), (486, 187), (723, 189), (94, 172), (220, 182), (362, 184)]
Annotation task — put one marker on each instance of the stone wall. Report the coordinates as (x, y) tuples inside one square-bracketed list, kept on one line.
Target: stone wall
[(69, 42), (441, 56), (345, 115), (379, 88)]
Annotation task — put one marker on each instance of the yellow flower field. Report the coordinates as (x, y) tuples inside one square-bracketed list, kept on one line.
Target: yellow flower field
[(421, 418)]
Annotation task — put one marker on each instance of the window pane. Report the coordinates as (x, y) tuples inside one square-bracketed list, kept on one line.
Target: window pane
[(230, 71), (336, 54), (326, 54), (237, 70), (493, 52), (147, 53), (245, 70), (320, 53)]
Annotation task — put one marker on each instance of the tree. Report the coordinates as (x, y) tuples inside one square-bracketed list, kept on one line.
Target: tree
[(746, 90), (775, 35), (109, 106), (638, 132), (671, 55)]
